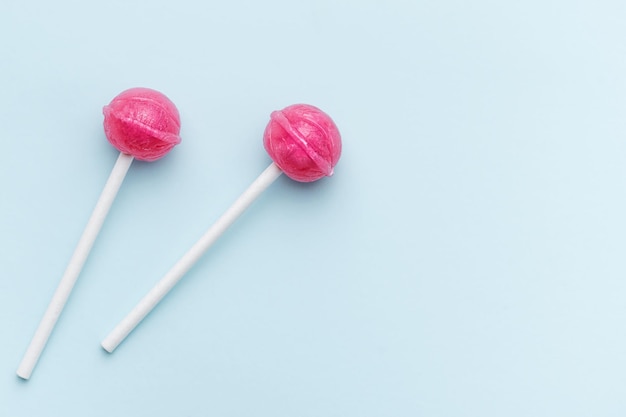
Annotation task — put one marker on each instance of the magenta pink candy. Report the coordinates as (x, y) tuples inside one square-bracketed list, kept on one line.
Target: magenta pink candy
[(143, 123), (303, 141)]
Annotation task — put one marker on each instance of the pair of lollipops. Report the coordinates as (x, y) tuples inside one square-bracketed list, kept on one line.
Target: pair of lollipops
[(302, 141)]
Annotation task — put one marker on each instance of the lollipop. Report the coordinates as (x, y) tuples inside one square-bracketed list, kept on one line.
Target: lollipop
[(142, 124), (304, 143)]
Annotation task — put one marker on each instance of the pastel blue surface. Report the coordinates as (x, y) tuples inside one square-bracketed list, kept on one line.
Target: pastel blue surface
[(467, 258)]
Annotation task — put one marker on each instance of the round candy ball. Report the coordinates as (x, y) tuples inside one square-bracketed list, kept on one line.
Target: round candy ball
[(303, 141), (143, 123)]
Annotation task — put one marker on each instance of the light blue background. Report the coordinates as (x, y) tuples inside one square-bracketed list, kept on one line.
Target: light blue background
[(467, 259)]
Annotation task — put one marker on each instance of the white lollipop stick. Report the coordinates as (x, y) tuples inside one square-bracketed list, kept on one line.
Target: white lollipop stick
[(156, 294), (74, 267)]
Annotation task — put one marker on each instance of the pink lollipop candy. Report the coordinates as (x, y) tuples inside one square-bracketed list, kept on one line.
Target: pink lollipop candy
[(143, 124), (304, 143)]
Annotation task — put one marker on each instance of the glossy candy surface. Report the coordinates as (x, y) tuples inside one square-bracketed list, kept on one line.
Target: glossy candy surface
[(143, 123), (303, 141)]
